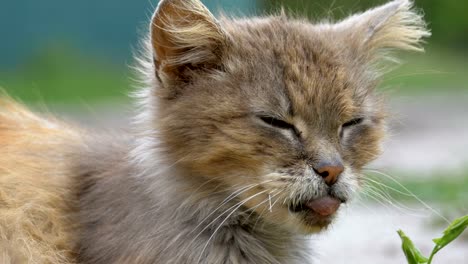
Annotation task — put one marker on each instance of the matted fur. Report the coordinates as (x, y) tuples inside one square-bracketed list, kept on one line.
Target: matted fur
[(203, 178)]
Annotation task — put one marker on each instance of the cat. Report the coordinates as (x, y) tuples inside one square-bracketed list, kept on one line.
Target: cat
[(250, 136)]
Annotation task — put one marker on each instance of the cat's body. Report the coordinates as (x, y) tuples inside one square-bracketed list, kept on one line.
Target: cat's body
[(251, 134)]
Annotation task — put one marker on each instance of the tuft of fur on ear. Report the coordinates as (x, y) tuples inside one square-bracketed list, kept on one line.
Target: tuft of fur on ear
[(395, 25), (184, 32)]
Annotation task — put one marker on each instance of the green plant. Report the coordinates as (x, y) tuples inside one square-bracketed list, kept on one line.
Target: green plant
[(414, 256)]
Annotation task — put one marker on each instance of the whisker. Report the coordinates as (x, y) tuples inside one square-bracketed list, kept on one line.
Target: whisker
[(263, 211), (269, 199), (393, 203), (255, 207), (372, 196), (220, 206), (390, 198), (224, 202), (421, 73), (412, 194), (388, 187), (225, 219)]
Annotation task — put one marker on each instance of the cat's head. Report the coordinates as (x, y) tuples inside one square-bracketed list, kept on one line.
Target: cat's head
[(281, 112)]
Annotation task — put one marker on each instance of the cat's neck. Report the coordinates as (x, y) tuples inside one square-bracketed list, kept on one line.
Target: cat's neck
[(209, 221)]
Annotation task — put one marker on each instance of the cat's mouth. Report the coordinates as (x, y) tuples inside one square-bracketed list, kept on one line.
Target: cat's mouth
[(317, 212)]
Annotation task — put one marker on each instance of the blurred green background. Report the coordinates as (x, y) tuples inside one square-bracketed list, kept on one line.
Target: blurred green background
[(57, 51), (77, 54)]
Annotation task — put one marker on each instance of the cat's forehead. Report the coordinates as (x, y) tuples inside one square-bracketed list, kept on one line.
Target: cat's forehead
[(275, 35), (299, 62)]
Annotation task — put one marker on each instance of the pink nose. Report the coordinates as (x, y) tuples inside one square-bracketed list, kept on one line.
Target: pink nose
[(330, 173)]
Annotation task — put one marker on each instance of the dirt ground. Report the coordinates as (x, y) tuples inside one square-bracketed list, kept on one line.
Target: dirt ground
[(366, 234), (427, 134)]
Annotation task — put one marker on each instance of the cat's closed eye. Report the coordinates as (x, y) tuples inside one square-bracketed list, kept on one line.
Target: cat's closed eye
[(353, 122), (348, 126), (281, 124)]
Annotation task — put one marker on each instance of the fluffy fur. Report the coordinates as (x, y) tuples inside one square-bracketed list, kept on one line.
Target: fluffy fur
[(36, 196), (205, 178)]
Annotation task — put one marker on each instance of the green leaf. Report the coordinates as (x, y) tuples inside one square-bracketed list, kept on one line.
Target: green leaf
[(413, 255), (452, 232)]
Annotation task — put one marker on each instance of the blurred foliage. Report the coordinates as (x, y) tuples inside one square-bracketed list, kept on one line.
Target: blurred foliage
[(68, 73), (62, 74), (435, 71), (447, 19), (436, 188)]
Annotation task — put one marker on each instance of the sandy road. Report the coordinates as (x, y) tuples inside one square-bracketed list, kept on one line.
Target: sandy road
[(366, 234), (427, 134)]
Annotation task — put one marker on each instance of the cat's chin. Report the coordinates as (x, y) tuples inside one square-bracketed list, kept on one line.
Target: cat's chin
[(310, 222), (305, 223), (314, 223), (314, 216)]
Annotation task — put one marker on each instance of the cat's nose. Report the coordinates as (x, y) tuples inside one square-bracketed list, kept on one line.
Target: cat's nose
[(329, 172)]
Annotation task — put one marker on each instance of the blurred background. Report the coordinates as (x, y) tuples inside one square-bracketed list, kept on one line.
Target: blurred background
[(73, 57)]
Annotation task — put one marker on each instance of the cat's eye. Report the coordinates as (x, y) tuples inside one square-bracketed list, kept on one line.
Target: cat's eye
[(353, 122), (278, 123)]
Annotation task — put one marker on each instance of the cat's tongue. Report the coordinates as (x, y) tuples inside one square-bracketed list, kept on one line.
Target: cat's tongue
[(324, 206)]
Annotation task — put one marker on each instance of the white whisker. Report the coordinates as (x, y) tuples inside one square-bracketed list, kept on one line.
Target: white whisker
[(412, 194), (225, 219)]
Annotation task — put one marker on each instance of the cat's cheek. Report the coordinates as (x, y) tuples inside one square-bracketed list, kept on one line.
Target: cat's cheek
[(363, 146)]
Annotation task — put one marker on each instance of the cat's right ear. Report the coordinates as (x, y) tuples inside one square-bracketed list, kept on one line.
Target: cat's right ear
[(184, 36), (393, 26)]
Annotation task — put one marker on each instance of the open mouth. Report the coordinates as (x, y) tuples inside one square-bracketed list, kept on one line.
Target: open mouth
[(317, 211)]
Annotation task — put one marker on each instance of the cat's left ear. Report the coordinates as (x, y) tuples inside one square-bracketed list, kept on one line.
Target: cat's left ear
[(395, 25), (184, 36)]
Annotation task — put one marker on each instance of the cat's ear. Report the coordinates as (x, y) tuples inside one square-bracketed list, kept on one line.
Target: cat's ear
[(184, 34), (395, 25)]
